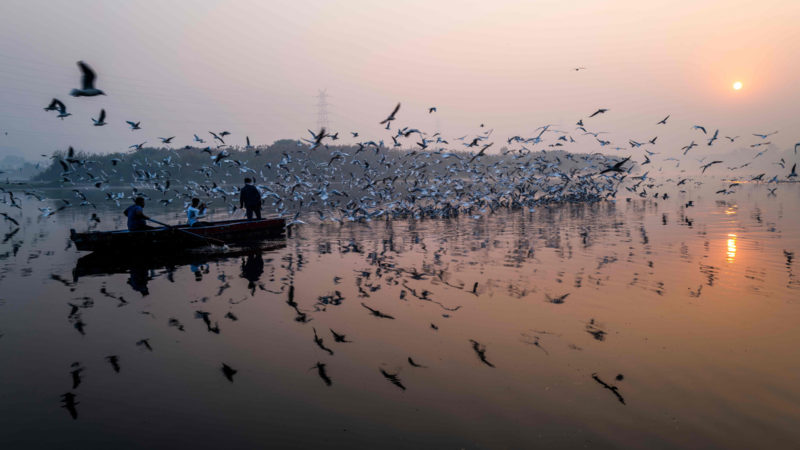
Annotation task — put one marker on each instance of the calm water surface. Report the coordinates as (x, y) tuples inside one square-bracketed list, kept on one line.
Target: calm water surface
[(695, 308)]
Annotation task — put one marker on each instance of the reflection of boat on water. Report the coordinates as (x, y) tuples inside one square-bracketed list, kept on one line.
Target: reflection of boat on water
[(178, 237), (103, 263)]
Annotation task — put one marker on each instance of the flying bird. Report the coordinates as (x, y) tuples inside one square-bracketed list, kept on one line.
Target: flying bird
[(101, 120), (616, 167), (599, 111), (706, 166), (663, 121), (713, 138), (764, 136), (391, 116), (134, 125), (698, 127), (87, 83), (58, 105), (216, 137)]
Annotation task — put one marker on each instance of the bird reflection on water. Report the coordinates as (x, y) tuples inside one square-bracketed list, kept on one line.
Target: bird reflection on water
[(519, 313)]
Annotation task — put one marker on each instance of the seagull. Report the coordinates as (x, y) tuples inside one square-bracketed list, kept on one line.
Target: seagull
[(87, 83), (698, 127), (795, 147), (579, 68), (663, 121), (793, 173), (731, 138), (480, 153), (764, 136), (197, 139), (137, 146), (58, 105), (616, 167), (216, 137), (706, 166), (391, 116), (713, 138), (599, 111), (432, 109), (134, 125), (100, 121), (55, 105), (166, 140), (317, 138)]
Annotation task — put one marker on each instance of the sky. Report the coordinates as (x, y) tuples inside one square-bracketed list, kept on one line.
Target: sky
[(254, 68)]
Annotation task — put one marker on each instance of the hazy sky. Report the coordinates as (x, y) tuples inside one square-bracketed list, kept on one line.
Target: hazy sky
[(254, 68)]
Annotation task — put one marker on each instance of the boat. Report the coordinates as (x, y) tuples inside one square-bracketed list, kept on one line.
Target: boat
[(179, 237)]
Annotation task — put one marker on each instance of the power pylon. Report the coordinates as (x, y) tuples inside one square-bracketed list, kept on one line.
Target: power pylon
[(322, 109)]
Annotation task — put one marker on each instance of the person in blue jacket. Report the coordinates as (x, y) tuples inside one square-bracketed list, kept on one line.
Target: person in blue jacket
[(136, 218)]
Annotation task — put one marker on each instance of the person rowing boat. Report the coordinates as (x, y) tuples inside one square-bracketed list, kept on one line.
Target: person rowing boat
[(136, 217)]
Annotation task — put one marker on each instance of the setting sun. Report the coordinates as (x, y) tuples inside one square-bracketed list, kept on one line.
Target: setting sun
[(737, 85)]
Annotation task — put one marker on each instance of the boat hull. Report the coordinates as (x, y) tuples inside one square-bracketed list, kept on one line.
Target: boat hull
[(179, 237)]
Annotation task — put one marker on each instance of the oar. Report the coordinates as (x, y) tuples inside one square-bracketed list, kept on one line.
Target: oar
[(217, 241)]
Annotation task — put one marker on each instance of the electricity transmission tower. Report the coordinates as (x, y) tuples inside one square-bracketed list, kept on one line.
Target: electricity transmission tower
[(322, 109)]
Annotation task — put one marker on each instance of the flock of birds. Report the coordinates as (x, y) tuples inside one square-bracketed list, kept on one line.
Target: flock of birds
[(429, 179), (409, 174)]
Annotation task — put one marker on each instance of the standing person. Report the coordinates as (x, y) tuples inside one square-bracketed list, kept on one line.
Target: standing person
[(136, 218), (250, 199), (196, 211)]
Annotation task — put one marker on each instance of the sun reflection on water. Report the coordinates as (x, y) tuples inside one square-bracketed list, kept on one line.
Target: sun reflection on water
[(731, 247)]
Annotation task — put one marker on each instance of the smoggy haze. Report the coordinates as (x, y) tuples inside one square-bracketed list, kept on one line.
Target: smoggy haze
[(254, 68)]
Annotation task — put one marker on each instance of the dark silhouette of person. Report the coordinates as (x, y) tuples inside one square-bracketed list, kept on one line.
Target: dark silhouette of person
[(250, 199), (136, 218), (252, 268)]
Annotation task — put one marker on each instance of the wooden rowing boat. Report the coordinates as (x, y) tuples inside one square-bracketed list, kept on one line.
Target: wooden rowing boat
[(178, 237)]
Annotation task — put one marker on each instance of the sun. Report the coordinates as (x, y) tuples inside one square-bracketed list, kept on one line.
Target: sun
[(737, 85)]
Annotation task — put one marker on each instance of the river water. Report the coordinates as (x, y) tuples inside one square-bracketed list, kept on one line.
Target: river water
[(643, 324)]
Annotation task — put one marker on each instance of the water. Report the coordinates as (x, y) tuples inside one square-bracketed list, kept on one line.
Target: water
[(696, 307)]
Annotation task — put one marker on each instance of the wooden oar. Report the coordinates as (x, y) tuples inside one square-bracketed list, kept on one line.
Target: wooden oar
[(217, 241)]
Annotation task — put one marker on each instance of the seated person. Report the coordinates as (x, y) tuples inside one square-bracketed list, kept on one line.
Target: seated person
[(136, 218), (195, 211)]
